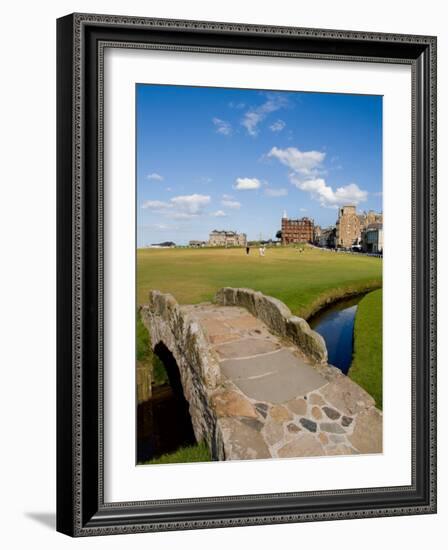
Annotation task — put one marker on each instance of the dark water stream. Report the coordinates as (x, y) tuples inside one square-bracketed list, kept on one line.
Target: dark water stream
[(164, 422), (335, 324)]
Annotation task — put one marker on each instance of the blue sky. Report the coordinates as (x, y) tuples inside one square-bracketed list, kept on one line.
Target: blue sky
[(217, 158)]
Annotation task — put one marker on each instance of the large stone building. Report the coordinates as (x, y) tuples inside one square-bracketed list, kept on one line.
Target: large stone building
[(350, 225), (297, 231), (227, 238)]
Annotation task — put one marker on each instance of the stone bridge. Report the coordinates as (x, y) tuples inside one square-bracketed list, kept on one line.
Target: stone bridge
[(257, 381)]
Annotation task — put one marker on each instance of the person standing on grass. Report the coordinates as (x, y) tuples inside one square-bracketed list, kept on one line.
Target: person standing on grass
[(247, 251)]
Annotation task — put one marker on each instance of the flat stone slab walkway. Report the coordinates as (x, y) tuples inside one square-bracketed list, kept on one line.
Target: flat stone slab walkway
[(274, 377), (272, 402)]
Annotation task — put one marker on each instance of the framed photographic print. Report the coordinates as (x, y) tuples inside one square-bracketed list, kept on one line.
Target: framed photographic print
[(246, 274)]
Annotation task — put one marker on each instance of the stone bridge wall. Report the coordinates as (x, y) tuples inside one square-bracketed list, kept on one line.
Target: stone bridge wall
[(215, 403), (278, 317), (198, 367)]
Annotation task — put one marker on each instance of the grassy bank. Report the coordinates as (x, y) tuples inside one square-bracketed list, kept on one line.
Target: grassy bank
[(194, 453), (304, 281), (367, 365)]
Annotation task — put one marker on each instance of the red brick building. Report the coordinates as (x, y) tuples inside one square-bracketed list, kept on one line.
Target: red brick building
[(297, 231)]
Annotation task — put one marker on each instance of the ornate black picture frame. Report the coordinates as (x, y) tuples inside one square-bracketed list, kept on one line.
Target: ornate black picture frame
[(81, 509)]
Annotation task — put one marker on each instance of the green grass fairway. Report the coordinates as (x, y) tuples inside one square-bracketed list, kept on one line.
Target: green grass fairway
[(367, 365), (303, 281)]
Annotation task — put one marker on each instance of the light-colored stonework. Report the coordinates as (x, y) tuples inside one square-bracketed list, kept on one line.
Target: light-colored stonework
[(253, 390), (278, 318)]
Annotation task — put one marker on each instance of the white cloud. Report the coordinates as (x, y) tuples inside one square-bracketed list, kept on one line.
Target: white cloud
[(219, 214), (254, 116), (156, 205), (182, 215), (182, 207), (277, 126), (154, 176), (273, 192), (231, 204), (319, 190), (192, 204), (238, 105), (246, 184), (222, 126), (303, 162), (160, 226), (349, 194), (250, 122), (306, 174)]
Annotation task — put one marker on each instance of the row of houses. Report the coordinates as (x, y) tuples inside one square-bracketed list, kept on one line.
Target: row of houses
[(353, 230), (363, 231)]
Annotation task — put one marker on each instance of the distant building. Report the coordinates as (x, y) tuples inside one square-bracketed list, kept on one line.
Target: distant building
[(165, 244), (227, 238), (350, 225), (367, 218), (372, 238), (317, 233), (297, 231), (197, 244), (327, 238)]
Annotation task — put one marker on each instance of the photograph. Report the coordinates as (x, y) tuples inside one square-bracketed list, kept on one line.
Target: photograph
[(246, 272), (259, 268)]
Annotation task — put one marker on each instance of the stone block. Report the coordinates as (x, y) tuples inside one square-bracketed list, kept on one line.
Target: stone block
[(241, 441), (273, 432), (316, 399), (331, 427), (293, 428), (367, 436), (304, 445), (308, 424), (309, 341), (232, 403), (346, 396), (331, 413), (297, 406), (280, 413)]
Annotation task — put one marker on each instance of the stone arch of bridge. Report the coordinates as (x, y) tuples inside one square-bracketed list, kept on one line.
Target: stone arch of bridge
[(181, 405)]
